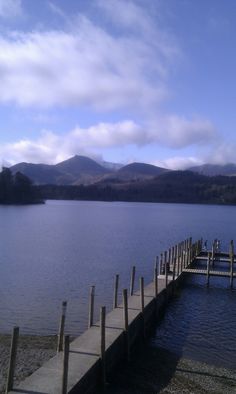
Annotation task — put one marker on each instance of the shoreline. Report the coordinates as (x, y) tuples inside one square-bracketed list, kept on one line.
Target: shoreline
[(33, 351), (151, 370), (157, 370)]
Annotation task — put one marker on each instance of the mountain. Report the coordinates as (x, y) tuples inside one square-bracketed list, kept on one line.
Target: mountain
[(141, 170), (215, 169), (76, 170), (83, 170), (80, 169), (133, 172), (38, 173)]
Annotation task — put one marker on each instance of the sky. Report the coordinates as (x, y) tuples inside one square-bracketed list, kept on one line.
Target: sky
[(118, 80)]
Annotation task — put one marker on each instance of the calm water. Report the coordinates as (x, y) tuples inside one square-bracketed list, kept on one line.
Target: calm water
[(56, 251), (200, 322)]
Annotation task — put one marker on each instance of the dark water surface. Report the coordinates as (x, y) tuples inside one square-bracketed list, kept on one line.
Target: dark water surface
[(55, 251), (200, 322)]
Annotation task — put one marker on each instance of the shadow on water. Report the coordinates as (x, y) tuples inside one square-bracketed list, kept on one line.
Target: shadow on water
[(191, 345)]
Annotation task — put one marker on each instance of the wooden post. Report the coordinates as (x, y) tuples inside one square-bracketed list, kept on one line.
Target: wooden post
[(62, 327), (156, 277), (208, 268), (165, 257), (91, 306), (132, 281), (126, 322), (213, 253), (166, 274), (103, 344), (231, 249), (12, 361), (231, 271), (65, 364), (174, 268), (161, 265), (177, 257), (231, 263), (142, 293), (142, 304), (182, 260), (116, 286)]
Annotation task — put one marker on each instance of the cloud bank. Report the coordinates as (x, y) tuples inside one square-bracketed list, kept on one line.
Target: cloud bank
[(118, 60), (88, 64), (52, 148)]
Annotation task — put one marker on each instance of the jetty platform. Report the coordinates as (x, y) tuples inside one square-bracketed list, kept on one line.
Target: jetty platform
[(86, 363)]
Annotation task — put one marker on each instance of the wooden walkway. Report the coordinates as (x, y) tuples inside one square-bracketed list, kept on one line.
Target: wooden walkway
[(91, 357)]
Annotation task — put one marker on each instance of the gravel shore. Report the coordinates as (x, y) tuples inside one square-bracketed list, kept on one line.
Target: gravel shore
[(155, 370), (151, 370), (32, 352)]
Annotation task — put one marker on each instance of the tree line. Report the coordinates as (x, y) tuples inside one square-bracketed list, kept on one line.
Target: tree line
[(17, 188)]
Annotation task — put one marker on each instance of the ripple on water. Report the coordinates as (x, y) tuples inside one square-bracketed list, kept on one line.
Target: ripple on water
[(200, 323)]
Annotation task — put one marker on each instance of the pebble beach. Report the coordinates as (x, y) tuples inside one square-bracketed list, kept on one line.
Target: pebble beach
[(151, 370), (32, 352)]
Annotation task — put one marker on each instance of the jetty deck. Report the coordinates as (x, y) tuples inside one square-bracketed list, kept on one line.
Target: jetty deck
[(88, 361), (84, 358)]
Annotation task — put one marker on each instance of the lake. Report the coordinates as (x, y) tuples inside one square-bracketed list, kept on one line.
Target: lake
[(56, 251)]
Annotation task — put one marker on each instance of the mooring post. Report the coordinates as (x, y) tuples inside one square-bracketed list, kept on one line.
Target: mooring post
[(103, 344), (126, 322), (213, 253), (12, 361), (91, 306), (181, 260), (174, 268), (231, 263), (156, 277), (62, 327), (142, 303), (116, 287), (142, 294), (208, 268), (231, 249), (166, 274), (65, 364), (177, 256), (161, 265), (132, 279)]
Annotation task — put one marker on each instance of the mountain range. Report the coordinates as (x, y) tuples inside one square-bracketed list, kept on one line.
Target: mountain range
[(81, 178), (83, 170)]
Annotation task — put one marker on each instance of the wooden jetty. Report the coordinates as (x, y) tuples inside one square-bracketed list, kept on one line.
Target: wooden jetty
[(87, 362)]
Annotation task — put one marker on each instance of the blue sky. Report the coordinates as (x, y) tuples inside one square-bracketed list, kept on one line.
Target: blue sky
[(118, 80)]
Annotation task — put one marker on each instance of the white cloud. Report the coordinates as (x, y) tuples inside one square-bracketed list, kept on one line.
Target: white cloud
[(87, 65), (52, 148), (10, 8), (178, 132), (179, 162)]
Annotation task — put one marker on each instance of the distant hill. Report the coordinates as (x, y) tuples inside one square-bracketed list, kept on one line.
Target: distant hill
[(39, 173), (215, 169), (132, 173), (141, 170), (76, 170), (173, 187), (80, 169), (83, 170)]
